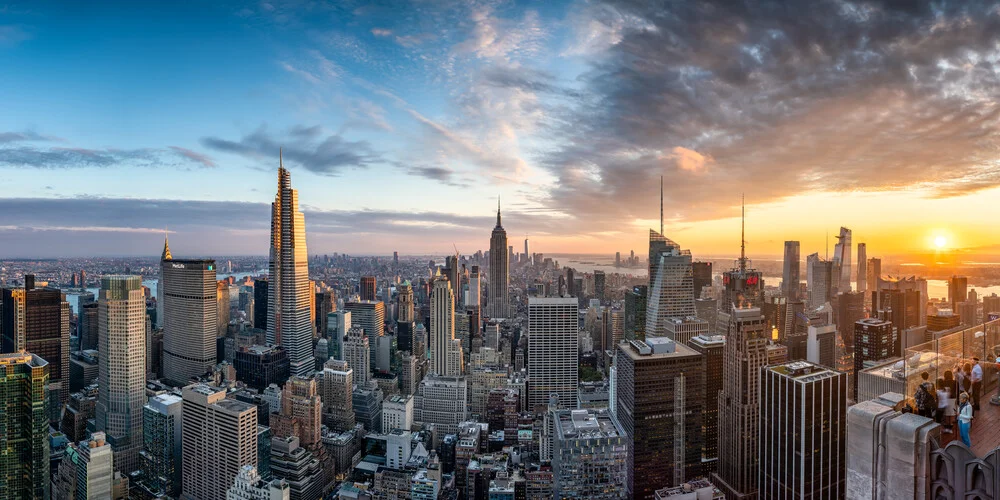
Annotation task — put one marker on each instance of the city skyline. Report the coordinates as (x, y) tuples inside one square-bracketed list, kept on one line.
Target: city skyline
[(568, 110)]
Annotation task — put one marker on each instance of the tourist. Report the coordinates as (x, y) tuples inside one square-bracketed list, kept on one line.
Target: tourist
[(977, 383), (964, 418)]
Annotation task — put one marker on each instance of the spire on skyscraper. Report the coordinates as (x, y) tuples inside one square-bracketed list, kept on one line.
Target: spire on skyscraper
[(498, 211), (743, 240), (166, 249), (661, 204)]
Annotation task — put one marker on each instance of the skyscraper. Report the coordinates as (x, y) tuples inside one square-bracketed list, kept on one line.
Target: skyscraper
[(335, 385), (24, 420), (659, 397), (36, 320), (498, 302), (821, 288), (711, 348), (442, 334), (370, 316), (874, 340), (589, 455), (874, 275), (337, 325), (600, 281), (289, 320), (958, 290), (744, 355), (190, 317), (367, 288), (790, 274), (671, 289), (863, 268), (357, 354), (553, 364), (702, 277), (122, 367), (404, 303), (803, 438), (260, 308), (475, 289), (219, 438), (161, 453), (842, 260)]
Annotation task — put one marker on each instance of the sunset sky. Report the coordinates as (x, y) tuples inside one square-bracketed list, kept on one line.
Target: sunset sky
[(402, 122)]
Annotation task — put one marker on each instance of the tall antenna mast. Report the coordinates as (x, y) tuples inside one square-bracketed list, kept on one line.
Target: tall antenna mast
[(743, 241), (661, 205)]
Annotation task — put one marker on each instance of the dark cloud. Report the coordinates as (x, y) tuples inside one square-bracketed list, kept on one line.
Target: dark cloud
[(309, 147), (783, 98), (439, 174), (528, 79)]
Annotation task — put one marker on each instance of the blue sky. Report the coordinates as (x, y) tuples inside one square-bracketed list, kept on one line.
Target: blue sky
[(403, 121)]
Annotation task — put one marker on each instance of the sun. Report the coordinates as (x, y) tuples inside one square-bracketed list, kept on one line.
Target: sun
[(940, 242)]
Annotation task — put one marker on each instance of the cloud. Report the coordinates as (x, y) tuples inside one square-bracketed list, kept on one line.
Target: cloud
[(11, 35), (194, 156), (380, 32), (74, 157), (310, 147), (25, 136), (773, 100), (439, 174)]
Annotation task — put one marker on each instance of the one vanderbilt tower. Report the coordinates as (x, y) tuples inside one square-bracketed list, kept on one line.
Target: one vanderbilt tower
[(288, 319)]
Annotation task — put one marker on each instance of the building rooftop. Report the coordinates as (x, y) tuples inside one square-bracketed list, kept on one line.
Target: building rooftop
[(12, 358), (709, 340), (585, 424), (234, 405), (656, 348), (803, 371)]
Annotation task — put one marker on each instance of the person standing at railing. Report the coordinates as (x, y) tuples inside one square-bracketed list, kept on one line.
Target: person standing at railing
[(977, 383), (964, 418)]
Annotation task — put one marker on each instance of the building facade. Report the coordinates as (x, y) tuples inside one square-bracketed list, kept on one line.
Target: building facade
[(122, 373), (219, 438), (589, 455), (803, 431), (498, 300), (553, 363), (289, 319), (24, 419), (190, 317)]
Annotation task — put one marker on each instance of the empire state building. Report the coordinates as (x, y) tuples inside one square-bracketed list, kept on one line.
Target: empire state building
[(498, 304), (288, 319)]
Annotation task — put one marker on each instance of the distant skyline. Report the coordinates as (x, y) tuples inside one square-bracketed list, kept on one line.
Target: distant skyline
[(401, 124)]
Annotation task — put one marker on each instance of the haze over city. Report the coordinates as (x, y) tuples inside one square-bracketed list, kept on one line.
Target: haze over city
[(403, 122)]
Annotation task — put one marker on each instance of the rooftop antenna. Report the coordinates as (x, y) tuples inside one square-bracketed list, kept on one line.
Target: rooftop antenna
[(827, 246), (743, 241), (661, 205), (281, 163)]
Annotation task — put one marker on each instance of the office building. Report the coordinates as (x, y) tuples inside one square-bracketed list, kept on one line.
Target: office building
[(475, 298), (635, 313), (744, 354), (874, 340), (404, 304), (122, 373), (36, 320), (337, 325), (702, 272), (660, 399), (498, 299), (790, 271), (87, 470), (301, 411), (862, 269), (162, 419), (446, 351), (325, 302), (553, 364), (335, 383), (366, 288), (289, 319), (711, 348), (297, 467), (357, 354), (821, 287), (698, 489), (370, 317), (260, 366), (219, 438), (821, 345), (958, 290), (849, 308), (441, 402), (367, 403), (589, 455), (24, 420), (87, 321), (81, 407), (223, 308), (260, 308), (190, 317), (671, 291), (249, 485), (874, 275), (397, 413), (803, 431), (841, 281)]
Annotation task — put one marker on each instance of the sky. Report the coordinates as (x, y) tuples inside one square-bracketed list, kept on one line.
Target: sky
[(402, 122)]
